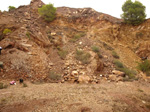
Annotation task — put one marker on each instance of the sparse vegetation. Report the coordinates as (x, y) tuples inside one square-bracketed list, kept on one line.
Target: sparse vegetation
[(107, 47), (139, 35), (28, 35), (118, 64), (140, 90), (115, 55), (77, 37), (48, 12), (62, 53), (95, 49), (54, 76), (25, 85), (11, 8), (100, 55), (82, 56), (6, 31), (133, 12), (3, 86), (144, 67), (1, 37)]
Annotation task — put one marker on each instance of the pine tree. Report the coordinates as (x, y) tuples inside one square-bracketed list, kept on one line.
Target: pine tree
[(133, 12)]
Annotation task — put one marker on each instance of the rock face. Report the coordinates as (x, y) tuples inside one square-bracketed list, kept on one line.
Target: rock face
[(34, 48), (144, 50)]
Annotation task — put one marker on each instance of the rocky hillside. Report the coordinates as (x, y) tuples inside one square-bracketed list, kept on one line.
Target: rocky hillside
[(80, 45)]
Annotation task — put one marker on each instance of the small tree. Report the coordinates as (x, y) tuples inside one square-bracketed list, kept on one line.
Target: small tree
[(11, 8), (133, 12), (47, 12)]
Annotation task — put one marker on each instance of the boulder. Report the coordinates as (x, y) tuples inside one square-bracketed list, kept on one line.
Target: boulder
[(74, 73), (83, 79), (118, 73), (112, 77)]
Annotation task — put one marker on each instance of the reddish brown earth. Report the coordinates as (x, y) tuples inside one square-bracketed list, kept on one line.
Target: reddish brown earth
[(52, 97)]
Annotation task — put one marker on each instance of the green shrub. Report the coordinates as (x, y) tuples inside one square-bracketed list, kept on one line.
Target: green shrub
[(48, 12), (11, 8), (62, 53), (118, 64), (82, 56), (95, 49), (6, 31), (115, 55), (54, 76), (2, 86), (145, 67), (77, 37)]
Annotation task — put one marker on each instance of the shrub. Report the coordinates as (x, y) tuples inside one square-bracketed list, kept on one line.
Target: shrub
[(130, 73), (2, 86), (118, 64), (144, 66), (54, 76), (62, 53), (6, 31), (48, 12), (115, 55), (11, 8), (82, 56), (95, 49), (133, 12), (77, 37)]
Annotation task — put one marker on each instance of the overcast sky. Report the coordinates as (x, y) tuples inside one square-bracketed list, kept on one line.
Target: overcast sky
[(111, 7)]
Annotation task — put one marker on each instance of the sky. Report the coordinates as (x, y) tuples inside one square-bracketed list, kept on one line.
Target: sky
[(111, 7)]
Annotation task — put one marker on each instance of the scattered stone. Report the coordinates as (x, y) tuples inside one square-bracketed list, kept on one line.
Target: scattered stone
[(112, 77), (53, 33)]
